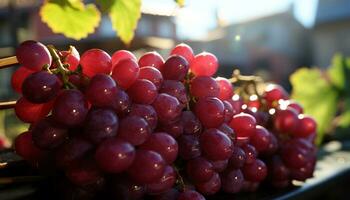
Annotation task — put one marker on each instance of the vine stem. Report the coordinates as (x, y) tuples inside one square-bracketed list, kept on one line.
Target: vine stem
[(60, 66), (180, 179)]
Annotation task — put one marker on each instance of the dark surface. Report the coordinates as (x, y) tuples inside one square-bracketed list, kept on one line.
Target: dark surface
[(331, 180)]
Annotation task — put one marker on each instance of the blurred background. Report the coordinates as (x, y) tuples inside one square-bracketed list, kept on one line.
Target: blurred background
[(271, 38)]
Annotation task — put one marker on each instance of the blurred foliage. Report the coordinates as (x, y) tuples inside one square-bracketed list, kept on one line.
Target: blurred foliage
[(75, 20), (325, 95), (10, 125)]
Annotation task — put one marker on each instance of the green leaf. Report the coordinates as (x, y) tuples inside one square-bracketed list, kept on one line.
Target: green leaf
[(71, 18), (181, 3), (124, 15), (318, 97), (339, 72), (106, 5), (344, 118)]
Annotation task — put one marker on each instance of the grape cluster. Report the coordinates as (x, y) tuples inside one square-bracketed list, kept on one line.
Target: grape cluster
[(153, 128)]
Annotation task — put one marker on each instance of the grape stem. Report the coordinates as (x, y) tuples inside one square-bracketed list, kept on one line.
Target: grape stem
[(179, 178), (247, 82), (61, 67)]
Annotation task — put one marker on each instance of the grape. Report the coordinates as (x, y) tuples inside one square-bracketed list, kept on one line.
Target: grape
[(225, 88), (72, 151), (301, 174), (70, 108), (143, 91), (125, 73), (191, 124), (232, 181), (152, 74), (84, 173), (219, 165), (228, 111), (260, 139), (175, 89), (243, 124), (18, 78), (122, 55), (273, 145), (175, 128), (163, 144), (200, 169), (29, 112), (81, 82), (236, 103), (249, 186), (183, 50), (210, 187), (151, 59), (95, 61), (134, 129), (294, 157), (296, 106), (286, 121), (114, 155), (216, 145), (167, 107), (165, 183), (101, 91), (122, 103), (147, 167), (189, 147), (274, 93), (33, 55), (307, 126), (190, 195), (175, 68), (228, 131), (250, 152), (40, 87), (47, 134), (210, 111), (147, 112), (237, 159), (71, 57), (126, 189), (277, 169), (204, 64), (171, 194), (255, 171), (25, 148), (204, 86)]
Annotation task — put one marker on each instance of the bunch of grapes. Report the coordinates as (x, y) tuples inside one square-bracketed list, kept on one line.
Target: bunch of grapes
[(133, 128)]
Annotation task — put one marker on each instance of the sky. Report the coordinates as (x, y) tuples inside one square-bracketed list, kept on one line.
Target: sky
[(199, 16)]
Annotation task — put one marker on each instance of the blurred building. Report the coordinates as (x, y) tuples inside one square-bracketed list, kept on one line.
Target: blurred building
[(331, 33), (272, 46)]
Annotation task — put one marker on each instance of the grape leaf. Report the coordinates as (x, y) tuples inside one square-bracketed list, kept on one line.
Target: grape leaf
[(318, 97), (339, 72), (124, 15), (181, 3), (344, 121), (71, 18)]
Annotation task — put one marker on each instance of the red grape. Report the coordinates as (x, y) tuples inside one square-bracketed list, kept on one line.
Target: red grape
[(25, 148), (243, 124), (250, 152), (255, 171), (260, 139), (219, 165), (151, 59), (307, 126), (134, 129), (122, 55), (200, 170), (33, 55), (71, 57), (175, 68), (210, 187), (167, 107), (125, 73), (191, 124), (96, 61), (225, 88), (163, 144), (232, 181), (183, 50), (237, 158), (216, 145), (40, 87), (29, 112), (286, 121), (210, 112), (204, 86), (273, 93), (84, 173), (189, 147), (18, 78), (101, 91), (296, 106), (147, 112), (143, 91), (175, 89), (114, 155), (190, 195), (147, 167), (165, 183), (152, 74), (204, 64)]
